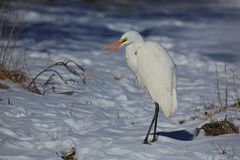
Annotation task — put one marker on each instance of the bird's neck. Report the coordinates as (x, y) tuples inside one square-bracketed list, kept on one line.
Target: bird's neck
[(138, 43), (133, 47), (131, 55)]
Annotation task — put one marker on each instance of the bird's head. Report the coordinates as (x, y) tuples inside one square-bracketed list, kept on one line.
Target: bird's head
[(127, 38)]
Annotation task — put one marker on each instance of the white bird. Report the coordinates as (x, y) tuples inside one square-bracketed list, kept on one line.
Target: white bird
[(155, 72)]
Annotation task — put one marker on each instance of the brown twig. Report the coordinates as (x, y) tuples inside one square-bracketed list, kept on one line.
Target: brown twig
[(219, 99), (226, 87), (51, 68)]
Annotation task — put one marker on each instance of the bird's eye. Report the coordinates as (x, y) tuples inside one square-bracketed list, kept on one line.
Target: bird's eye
[(124, 40)]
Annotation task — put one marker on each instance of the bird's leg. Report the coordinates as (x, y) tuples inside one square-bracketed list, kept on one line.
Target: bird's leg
[(156, 119), (149, 129)]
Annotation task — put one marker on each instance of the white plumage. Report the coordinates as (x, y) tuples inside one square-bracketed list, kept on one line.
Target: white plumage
[(154, 68), (155, 72)]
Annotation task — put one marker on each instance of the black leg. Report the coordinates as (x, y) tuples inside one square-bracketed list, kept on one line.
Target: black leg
[(149, 130), (150, 127), (156, 119)]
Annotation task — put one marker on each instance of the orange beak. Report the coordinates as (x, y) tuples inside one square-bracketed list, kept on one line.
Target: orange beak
[(112, 47)]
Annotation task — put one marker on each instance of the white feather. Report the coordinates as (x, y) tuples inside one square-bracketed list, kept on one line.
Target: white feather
[(155, 70)]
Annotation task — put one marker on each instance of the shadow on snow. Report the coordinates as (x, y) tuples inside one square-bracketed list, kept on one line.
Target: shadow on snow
[(182, 135)]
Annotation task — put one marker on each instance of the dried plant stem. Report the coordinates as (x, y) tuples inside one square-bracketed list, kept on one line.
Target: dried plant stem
[(219, 99), (6, 51), (235, 77), (226, 88), (33, 84)]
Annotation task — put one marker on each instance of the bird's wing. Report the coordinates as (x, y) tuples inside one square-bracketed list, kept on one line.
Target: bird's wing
[(156, 71)]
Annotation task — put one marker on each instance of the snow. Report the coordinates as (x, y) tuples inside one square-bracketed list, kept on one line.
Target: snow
[(109, 116)]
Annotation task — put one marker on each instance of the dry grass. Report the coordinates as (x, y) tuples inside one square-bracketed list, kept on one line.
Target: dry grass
[(236, 104), (13, 75), (218, 128), (53, 72), (8, 34), (215, 128), (68, 154), (9, 63), (11, 66), (39, 86)]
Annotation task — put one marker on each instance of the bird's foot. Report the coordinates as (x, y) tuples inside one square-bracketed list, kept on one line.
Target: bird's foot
[(154, 139), (145, 141)]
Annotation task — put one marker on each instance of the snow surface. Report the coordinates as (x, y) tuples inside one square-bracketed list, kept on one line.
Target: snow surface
[(108, 118)]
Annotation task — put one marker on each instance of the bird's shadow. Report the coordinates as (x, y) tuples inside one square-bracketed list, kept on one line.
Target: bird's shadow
[(182, 135)]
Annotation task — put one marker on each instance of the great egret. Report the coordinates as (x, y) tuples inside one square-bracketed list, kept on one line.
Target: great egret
[(155, 72)]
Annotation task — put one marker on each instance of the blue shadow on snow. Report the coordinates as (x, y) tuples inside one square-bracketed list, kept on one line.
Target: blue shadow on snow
[(182, 135)]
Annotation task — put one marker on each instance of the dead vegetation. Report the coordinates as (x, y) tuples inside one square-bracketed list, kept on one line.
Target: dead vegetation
[(223, 103), (68, 154), (226, 126), (9, 62), (13, 75), (8, 34), (53, 72), (38, 85), (218, 128), (236, 104), (13, 66)]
